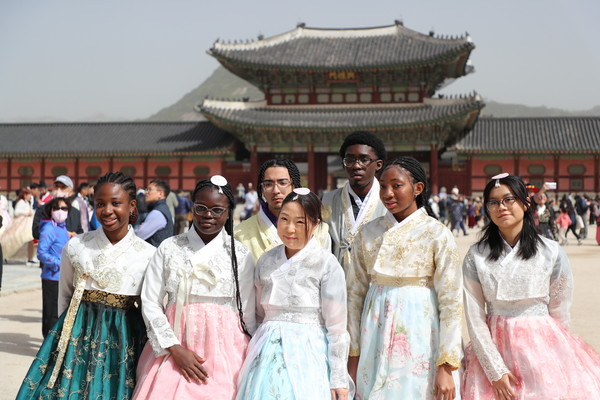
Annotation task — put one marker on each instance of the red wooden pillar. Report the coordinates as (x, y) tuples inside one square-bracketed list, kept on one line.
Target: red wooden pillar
[(253, 164), (111, 164), (433, 169), (43, 170), (469, 187), (180, 176), (597, 174), (145, 172), (516, 167), (9, 175), (312, 170), (76, 174)]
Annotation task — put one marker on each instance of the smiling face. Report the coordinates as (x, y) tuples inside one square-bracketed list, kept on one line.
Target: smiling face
[(506, 214), (361, 177), (274, 196), (113, 207), (398, 192), (294, 229), (207, 225)]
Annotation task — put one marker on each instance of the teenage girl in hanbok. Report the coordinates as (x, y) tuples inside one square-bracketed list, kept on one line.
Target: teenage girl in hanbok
[(405, 296), (196, 344), (518, 289), (92, 350), (300, 350)]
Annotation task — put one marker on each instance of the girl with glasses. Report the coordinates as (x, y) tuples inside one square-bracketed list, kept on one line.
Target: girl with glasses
[(300, 349), (518, 291), (196, 344)]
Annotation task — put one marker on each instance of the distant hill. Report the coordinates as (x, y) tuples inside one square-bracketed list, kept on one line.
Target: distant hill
[(506, 110), (222, 84)]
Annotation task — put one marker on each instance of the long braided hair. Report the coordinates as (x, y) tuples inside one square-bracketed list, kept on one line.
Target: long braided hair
[(226, 189), (127, 184), (279, 162), (416, 171)]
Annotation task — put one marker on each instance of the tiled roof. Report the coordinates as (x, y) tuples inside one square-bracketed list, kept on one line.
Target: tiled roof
[(128, 138), (342, 117), (533, 135), (306, 48)]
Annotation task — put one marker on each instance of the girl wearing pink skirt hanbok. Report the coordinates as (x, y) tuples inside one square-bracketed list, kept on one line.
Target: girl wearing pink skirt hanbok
[(197, 343), (518, 288)]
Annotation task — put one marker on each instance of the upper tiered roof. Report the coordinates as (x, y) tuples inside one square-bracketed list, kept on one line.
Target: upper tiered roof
[(533, 135), (305, 48)]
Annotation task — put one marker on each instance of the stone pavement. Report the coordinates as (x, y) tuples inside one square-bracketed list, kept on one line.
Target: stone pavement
[(21, 300)]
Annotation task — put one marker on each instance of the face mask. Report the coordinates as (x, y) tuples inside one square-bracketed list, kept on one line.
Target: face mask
[(59, 216)]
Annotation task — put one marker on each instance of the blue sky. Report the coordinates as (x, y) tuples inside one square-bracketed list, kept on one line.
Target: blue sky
[(71, 59)]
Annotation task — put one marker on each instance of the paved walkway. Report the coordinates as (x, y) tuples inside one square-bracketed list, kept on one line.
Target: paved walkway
[(21, 300)]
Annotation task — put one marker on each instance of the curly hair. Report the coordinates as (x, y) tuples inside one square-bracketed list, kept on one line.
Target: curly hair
[(366, 138), (279, 162)]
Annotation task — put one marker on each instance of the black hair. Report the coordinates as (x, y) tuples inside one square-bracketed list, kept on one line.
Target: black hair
[(279, 162), (529, 238), (127, 184), (366, 138), (54, 203), (161, 185), (34, 186), (82, 185), (310, 203), (416, 171), (226, 189)]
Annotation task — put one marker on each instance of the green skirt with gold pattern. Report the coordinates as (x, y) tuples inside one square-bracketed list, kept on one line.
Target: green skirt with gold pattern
[(101, 355)]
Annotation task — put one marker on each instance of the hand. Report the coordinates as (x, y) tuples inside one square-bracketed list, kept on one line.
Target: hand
[(72, 234), (189, 363), (503, 388), (353, 367), (339, 394), (443, 387)]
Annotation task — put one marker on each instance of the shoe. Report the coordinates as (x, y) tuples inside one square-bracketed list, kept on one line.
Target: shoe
[(32, 262), (579, 242)]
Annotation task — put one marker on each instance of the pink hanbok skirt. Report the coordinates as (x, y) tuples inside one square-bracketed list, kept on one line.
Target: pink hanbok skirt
[(216, 336), (548, 360)]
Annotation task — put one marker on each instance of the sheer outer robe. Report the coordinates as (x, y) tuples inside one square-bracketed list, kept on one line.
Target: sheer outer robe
[(259, 234), (117, 268), (338, 214), (205, 269), (310, 284), (511, 286), (418, 247)]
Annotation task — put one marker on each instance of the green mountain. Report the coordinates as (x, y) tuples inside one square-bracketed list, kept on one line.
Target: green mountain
[(222, 84)]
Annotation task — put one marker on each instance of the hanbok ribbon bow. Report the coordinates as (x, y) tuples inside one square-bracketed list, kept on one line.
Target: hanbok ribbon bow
[(205, 273)]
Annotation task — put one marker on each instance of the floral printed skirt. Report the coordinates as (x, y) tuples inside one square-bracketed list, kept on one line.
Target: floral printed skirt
[(215, 334), (548, 361), (100, 358), (398, 345), (286, 361)]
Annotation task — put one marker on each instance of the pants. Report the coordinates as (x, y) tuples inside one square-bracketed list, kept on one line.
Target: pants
[(49, 305), (181, 223)]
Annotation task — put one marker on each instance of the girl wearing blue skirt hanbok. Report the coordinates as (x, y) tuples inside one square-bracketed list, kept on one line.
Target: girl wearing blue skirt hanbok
[(92, 350), (300, 350), (405, 296)]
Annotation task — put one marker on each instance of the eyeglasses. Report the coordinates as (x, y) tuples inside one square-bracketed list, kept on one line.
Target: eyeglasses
[(202, 210), (507, 202), (63, 208), (362, 162), (270, 185)]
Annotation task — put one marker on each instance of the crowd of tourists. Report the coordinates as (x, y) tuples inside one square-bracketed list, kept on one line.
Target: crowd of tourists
[(355, 294), (554, 217)]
